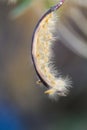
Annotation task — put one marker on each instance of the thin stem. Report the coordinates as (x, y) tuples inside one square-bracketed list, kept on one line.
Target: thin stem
[(57, 6)]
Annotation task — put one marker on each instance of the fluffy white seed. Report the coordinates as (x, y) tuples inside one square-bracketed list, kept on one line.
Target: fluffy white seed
[(42, 52)]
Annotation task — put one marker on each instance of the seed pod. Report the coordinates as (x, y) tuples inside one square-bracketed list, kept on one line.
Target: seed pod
[(42, 42)]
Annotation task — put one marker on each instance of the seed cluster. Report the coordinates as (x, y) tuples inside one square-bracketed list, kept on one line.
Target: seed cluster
[(42, 53)]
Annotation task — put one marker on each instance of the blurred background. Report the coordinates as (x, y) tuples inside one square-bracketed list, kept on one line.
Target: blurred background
[(23, 104)]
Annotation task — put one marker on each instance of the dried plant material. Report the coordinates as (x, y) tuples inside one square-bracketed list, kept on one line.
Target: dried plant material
[(43, 40)]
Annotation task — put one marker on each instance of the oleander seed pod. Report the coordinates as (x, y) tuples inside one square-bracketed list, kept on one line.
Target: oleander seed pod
[(42, 42)]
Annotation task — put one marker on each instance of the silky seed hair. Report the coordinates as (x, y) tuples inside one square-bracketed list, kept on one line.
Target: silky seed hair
[(42, 42)]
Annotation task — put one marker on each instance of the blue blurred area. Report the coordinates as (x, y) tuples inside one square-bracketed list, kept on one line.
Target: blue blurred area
[(9, 117)]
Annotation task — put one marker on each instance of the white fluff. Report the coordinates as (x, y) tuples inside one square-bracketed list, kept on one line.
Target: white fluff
[(42, 52)]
